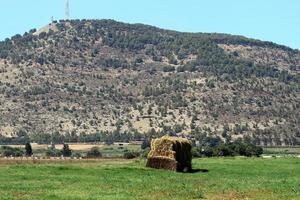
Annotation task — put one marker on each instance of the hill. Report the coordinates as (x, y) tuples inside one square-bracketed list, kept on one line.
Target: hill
[(87, 80)]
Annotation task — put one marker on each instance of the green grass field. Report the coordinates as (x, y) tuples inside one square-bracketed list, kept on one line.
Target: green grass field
[(214, 178)]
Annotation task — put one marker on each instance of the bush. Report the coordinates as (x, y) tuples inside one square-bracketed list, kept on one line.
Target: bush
[(10, 151), (230, 149), (131, 154), (168, 68), (208, 152), (223, 150), (246, 149), (203, 152), (53, 152), (77, 154), (196, 152), (94, 153)]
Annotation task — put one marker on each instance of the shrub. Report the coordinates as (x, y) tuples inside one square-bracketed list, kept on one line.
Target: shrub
[(203, 152), (246, 149), (196, 152), (230, 149), (53, 152), (208, 152), (94, 153), (168, 68), (10, 151), (131, 154), (223, 150), (77, 154)]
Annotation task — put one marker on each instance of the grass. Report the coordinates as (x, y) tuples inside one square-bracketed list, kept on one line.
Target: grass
[(226, 178)]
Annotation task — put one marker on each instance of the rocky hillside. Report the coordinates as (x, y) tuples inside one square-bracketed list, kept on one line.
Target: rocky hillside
[(90, 79)]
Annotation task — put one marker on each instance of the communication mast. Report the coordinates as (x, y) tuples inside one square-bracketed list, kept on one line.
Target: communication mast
[(67, 10)]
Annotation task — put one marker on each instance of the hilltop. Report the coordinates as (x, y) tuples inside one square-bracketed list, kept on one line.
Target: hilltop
[(87, 80)]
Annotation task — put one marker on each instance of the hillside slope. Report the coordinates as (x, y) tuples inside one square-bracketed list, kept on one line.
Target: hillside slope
[(109, 80)]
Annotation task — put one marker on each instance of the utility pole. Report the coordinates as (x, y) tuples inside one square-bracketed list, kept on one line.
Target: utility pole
[(67, 10)]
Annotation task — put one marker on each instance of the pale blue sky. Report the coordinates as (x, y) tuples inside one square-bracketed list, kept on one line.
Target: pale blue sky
[(271, 20)]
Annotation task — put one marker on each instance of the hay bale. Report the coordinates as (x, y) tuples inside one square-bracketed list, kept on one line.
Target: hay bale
[(170, 153), (162, 163)]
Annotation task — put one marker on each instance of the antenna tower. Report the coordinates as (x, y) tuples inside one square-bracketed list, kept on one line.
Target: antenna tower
[(67, 10)]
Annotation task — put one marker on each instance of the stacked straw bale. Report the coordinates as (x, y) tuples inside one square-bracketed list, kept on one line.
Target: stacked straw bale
[(170, 153)]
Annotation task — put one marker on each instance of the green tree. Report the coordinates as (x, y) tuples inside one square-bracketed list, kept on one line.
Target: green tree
[(66, 151), (28, 149)]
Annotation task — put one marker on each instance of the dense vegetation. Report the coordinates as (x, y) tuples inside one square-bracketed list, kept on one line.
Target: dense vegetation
[(101, 80), (237, 148), (210, 148)]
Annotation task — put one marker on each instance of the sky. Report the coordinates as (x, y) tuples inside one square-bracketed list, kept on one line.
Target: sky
[(270, 20)]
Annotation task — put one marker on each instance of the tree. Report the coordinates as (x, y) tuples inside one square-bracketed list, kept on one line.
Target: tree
[(66, 151), (212, 141), (28, 149)]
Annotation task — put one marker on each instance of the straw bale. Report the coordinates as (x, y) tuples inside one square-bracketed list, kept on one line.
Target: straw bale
[(167, 152)]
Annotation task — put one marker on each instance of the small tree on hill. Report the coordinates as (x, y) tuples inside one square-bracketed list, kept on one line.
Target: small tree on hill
[(28, 149), (66, 151)]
